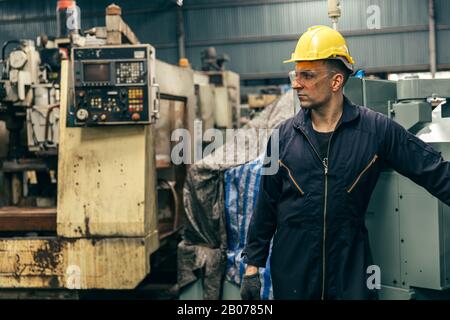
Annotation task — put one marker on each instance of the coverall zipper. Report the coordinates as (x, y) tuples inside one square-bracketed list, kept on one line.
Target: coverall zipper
[(362, 173), (292, 178), (325, 166)]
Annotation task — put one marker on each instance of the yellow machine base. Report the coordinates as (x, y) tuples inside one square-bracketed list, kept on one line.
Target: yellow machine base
[(58, 263)]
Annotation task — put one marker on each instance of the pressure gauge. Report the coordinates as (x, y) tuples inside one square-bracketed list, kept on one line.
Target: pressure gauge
[(17, 59)]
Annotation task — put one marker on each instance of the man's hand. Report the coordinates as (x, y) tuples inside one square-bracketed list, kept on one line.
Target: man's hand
[(251, 285), (251, 270)]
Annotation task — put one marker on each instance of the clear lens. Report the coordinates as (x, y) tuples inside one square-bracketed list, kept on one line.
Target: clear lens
[(306, 77)]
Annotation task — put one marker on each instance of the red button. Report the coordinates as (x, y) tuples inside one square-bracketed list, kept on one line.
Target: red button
[(135, 117)]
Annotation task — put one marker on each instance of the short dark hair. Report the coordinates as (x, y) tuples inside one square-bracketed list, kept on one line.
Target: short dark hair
[(338, 66)]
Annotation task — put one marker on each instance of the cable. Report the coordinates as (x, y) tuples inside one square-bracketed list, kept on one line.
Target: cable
[(47, 120), (176, 219), (5, 67), (6, 44)]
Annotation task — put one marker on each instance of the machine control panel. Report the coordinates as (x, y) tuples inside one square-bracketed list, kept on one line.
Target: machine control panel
[(113, 86)]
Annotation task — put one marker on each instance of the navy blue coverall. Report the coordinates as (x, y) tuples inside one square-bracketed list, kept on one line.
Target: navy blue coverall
[(314, 208)]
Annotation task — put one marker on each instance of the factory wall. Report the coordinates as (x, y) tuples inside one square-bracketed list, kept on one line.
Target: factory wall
[(258, 35)]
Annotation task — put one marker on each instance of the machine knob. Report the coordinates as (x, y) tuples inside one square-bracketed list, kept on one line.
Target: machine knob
[(82, 114), (82, 99), (103, 117), (94, 117), (135, 117)]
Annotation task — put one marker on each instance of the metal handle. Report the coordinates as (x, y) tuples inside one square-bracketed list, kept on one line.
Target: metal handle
[(156, 102)]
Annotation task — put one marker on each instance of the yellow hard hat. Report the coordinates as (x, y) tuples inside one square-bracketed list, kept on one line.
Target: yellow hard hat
[(322, 42)]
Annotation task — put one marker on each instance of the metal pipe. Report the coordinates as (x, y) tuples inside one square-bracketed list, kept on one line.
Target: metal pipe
[(432, 37), (47, 120), (181, 40), (334, 12), (383, 69), (16, 188), (154, 9), (294, 37), (335, 24)]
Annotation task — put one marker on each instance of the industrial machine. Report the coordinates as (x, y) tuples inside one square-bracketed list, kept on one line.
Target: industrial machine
[(105, 217), (177, 111), (80, 179), (29, 99), (90, 198), (408, 227), (226, 110), (227, 93)]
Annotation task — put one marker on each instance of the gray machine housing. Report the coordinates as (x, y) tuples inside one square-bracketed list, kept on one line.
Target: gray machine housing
[(409, 229)]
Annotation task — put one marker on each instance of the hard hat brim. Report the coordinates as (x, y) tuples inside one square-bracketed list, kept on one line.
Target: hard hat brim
[(347, 64), (289, 61)]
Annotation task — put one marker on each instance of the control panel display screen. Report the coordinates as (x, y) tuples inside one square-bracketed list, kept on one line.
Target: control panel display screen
[(96, 72)]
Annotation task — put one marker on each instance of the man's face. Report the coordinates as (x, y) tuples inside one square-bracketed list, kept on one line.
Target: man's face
[(313, 83)]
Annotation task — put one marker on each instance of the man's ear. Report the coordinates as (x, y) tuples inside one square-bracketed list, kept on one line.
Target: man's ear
[(337, 82)]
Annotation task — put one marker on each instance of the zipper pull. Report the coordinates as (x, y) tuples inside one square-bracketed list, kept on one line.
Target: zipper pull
[(325, 165)]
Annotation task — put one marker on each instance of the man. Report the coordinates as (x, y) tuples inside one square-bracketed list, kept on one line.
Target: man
[(330, 156)]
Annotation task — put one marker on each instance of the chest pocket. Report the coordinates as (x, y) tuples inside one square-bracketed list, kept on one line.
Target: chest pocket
[(291, 178), (362, 173)]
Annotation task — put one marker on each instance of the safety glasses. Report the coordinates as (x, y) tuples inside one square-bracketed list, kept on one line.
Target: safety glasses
[(307, 77)]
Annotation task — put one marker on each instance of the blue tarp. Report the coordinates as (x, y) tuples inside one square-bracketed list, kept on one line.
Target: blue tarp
[(241, 191), (219, 198)]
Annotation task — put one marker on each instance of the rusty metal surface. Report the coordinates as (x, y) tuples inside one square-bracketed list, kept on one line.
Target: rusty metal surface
[(58, 263), (4, 139), (24, 165), (39, 261), (27, 219), (162, 164)]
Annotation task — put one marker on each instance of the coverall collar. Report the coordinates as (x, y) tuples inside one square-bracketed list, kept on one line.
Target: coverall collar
[(302, 119)]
